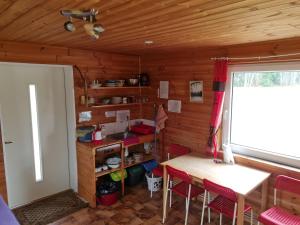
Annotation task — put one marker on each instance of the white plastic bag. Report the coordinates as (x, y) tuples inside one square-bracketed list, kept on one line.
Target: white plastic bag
[(227, 154)]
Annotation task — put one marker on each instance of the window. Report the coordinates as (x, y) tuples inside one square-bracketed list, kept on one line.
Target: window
[(262, 112), (35, 133)]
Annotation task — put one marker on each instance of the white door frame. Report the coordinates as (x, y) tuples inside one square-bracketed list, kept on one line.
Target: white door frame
[(70, 116)]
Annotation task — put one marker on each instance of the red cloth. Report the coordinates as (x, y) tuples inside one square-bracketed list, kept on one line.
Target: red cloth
[(131, 140), (220, 78)]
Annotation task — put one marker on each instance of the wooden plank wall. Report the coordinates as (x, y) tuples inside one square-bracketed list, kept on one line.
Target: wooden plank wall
[(94, 65), (190, 128)]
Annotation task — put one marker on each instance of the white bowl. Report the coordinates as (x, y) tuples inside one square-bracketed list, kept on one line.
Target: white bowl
[(113, 160), (113, 166), (95, 86)]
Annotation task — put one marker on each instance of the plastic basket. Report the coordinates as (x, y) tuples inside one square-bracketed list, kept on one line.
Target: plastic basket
[(154, 183)]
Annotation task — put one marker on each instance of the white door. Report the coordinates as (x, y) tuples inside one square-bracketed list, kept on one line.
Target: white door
[(36, 149)]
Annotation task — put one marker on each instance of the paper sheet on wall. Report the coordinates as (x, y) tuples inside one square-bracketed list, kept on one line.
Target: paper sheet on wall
[(174, 106), (85, 116), (122, 115), (164, 89)]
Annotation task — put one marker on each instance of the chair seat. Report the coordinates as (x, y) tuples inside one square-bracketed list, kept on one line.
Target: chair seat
[(158, 171), (182, 189), (278, 216), (225, 206)]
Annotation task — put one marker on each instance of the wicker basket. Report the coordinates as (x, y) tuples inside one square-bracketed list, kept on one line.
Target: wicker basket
[(154, 183)]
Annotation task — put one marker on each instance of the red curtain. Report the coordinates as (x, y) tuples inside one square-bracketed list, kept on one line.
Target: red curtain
[(220, 78)]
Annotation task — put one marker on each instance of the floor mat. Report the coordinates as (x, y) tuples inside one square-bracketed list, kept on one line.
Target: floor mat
[(49, 209)]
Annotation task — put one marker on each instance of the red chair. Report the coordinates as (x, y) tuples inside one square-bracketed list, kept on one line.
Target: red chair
[(276, 215), (225, 203), (174, 150), (184, 188)]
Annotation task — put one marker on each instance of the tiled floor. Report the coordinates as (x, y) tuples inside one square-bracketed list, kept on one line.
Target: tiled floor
[(137, 208)]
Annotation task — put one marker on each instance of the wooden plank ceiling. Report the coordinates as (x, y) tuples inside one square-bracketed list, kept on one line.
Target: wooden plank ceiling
[(171, 24)]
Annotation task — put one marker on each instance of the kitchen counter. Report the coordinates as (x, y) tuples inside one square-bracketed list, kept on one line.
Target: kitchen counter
[(110, 141), (103, 143)]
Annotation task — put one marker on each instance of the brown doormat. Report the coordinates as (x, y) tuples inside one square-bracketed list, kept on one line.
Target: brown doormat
[(49, 209)]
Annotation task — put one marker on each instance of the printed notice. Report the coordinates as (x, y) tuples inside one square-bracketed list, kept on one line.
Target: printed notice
[(164, 89), (174, 106)]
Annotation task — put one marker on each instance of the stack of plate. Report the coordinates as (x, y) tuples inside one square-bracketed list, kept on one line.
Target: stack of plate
[(110, 83), (138, 157), (114, 83)]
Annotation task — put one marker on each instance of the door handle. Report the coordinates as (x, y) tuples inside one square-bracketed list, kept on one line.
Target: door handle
[(8, 142)]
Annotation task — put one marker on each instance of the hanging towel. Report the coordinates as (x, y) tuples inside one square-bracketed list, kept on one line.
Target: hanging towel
[(161, 118)]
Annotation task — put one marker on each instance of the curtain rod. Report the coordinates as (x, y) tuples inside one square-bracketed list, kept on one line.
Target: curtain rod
[(255, 57)]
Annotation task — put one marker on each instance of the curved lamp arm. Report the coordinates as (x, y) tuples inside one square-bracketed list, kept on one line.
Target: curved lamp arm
[(85, 84)]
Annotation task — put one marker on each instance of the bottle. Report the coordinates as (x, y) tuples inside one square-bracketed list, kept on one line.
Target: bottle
[(97, 135)]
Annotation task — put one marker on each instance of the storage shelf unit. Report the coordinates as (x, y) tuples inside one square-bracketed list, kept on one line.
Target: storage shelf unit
[(88, 153)]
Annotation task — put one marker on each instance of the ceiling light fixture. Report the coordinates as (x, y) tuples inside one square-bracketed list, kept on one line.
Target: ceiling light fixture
[(69, 26), (88, 17), (93, 30)]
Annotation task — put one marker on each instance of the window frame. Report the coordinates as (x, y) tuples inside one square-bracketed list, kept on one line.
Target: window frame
[(226, 122)]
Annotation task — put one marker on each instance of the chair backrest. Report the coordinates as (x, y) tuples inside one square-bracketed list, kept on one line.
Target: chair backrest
[(285, 183), (220, 190), (176, 150), (175, 173), (289, 184)]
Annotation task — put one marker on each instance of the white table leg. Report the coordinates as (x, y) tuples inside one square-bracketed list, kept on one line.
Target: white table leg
[(165, 194)]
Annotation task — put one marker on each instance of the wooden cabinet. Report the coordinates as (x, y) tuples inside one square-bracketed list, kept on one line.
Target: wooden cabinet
[(89, 153)]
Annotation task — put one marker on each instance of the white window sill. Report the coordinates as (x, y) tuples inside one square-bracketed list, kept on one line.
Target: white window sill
[(265, 165)]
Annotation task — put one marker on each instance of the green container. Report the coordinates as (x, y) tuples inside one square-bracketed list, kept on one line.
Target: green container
[(117, 176), (135, 175)]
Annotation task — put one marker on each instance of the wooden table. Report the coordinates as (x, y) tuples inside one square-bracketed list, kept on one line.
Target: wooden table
[(239, 178)]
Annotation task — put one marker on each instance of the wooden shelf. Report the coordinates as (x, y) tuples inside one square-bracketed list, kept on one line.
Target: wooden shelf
[(102, 173), (114, 105), (146, 158), (114, 88), (82, 108)]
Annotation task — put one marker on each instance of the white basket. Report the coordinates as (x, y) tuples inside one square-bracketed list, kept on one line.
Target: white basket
[(154, 183)]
